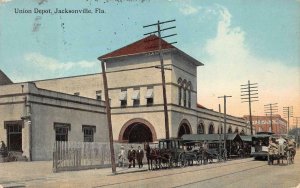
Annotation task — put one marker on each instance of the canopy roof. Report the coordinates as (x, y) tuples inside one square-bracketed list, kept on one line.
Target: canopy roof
[(210, 137)]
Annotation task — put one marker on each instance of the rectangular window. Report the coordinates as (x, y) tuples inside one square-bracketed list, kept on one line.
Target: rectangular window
[(61, 131), (88, 133), (136, 102), (123, 103), (14, 135), (149, 101), (99, 95)]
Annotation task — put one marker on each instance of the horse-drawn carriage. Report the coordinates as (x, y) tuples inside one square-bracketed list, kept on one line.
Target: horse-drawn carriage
[(281, 148), (169, 153), (164, 154)]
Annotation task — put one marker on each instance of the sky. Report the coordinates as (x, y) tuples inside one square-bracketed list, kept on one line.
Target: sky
[(236, 40)]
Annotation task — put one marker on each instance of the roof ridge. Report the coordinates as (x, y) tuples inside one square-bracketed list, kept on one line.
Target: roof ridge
[(138, 47)]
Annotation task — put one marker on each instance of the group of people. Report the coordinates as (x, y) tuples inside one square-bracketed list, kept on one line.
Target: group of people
[(132, 155)]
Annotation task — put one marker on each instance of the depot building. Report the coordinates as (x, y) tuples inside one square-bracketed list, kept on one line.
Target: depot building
[(36, 114)]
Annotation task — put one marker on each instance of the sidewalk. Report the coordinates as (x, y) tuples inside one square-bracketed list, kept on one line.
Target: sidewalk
[(21, 174), (39, 174)]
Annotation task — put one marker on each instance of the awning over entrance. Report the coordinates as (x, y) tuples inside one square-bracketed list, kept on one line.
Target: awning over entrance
[(246, 138), (210, 137)]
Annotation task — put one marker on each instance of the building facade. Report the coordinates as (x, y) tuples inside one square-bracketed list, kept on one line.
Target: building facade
[(136, 100), (33, 119), (135, 92), (263, 124)]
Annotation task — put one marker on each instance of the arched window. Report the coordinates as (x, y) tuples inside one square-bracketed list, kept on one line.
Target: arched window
[(200, 128), (221, 130), (236, 130), (179, 90), (229, 130), (211, 129), (184, 84), (242, 132), (189, 94), (259, 129)]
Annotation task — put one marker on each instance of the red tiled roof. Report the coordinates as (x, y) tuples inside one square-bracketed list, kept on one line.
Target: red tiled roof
[(147, 44), (200, 106)]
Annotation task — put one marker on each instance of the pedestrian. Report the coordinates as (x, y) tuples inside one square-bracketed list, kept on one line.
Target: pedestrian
[(204, 152), (3, 149), (121, 157), (131, 157), (140, 156)]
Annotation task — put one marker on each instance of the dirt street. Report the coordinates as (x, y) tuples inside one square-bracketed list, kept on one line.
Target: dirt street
[(236, 173)]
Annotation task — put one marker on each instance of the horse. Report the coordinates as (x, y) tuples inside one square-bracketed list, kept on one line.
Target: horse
[(204, 156), (152, 154), (282, 153), (292, 154)]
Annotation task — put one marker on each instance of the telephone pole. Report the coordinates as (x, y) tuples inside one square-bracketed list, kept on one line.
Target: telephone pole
[(270, 109), (296, 121), (288, 112), (224, 98), (249, 95), (160, 37), (108, 114)]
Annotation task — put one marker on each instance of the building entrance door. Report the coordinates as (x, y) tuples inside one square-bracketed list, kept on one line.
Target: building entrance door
[(138, 133), (14, 136)]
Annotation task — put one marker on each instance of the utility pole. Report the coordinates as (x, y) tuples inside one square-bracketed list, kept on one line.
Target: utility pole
[(296, 120), (224, 97), (288, 112), (158, 31), (270, 109), (109, 124), (220, 133), (249, 94)]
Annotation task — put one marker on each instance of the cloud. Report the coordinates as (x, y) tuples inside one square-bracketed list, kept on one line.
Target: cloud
[(52, 64), (188, 9), (230, 63), (4, 1)]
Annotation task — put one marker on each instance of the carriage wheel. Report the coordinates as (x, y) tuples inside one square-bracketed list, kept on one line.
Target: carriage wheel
[(182, 160), (170, 162), (198, 159)]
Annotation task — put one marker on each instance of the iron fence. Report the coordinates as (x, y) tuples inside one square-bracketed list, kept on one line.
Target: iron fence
[(68, 155)]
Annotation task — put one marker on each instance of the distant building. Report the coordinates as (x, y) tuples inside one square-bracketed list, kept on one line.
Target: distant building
[(263, 124), (4, 79)]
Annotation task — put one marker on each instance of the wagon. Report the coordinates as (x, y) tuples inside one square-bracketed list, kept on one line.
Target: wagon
[(172, 148), (192, 153)]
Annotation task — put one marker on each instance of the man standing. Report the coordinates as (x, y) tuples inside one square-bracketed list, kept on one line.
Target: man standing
[(131, 157), (140, 156)]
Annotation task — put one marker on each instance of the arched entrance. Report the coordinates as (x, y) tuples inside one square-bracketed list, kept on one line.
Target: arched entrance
[(137, 131), (184, 128)]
